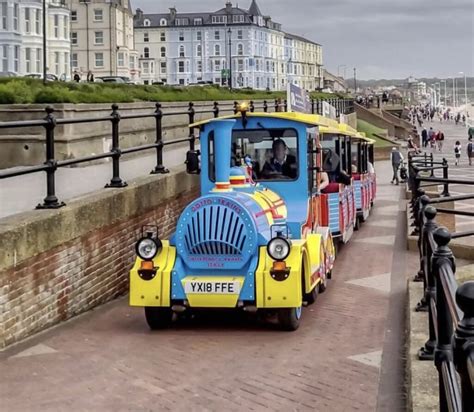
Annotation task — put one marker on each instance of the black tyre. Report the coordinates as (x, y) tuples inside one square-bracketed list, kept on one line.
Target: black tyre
[(311, 297), (158, 318), (357, 224), (289, 318), (329, 274)]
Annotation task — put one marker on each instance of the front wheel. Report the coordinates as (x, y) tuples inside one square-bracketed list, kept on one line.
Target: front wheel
[(158, 318), (289, 318)]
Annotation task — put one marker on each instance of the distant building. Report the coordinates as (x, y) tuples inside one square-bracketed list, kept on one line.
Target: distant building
[(335, 83), (102, 38), (21, 37), (232, 44), (415, 90)]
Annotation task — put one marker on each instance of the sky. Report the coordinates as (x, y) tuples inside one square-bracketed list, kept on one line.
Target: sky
[(380, 38)]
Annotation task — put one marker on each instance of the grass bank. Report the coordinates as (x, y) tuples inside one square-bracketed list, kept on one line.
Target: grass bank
[(24, 91), (370, 131)]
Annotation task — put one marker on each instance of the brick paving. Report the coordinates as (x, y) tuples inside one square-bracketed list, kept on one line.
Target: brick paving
[(108, 360)]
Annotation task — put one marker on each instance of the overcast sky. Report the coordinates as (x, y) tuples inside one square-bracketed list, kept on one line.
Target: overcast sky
[(381, 38)]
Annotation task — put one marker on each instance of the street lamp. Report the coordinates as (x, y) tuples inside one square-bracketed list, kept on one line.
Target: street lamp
[(341, 65), (229, 32), (465, 89), (454, 92), (445, 101), (44, 42), (355, 81)]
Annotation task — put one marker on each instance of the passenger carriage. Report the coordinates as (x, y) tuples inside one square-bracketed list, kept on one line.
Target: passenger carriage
[(253, 239)]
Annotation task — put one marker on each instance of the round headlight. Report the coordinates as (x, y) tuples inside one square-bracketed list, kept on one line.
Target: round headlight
[(147, 248), (278, 248)]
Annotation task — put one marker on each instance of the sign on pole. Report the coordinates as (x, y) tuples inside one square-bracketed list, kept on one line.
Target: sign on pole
[(329, 111), (298, 99)]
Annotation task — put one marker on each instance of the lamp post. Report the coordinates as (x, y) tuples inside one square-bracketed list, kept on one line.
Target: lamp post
[(229, 32), (355, 80), (341, 66), (465, 90), (445, 100), (44, 42)]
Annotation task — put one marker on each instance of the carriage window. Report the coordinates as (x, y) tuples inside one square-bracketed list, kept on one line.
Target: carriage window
[(273, 153)]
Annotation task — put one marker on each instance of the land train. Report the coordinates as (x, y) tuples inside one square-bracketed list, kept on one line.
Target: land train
[(261, 236)]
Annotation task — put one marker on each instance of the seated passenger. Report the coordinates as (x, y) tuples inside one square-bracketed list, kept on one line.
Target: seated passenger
[(323, 181), (282, 163)]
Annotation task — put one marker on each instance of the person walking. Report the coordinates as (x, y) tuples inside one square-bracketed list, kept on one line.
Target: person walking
[(431, 137), (457, 152), (470, 151), (440, 140), (76, 77), (396, 158), (424, 137)]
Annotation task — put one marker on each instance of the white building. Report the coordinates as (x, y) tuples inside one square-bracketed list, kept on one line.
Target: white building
[(21, 37), (102, 38), (186, 48)]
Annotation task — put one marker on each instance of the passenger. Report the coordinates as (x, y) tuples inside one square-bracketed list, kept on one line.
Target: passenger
[(323, 181), (282, 163)]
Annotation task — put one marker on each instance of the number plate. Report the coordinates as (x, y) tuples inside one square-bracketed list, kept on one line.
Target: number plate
[(213, 288)]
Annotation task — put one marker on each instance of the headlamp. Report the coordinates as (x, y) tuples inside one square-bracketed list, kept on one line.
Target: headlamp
[(147, 248), (279, 248)]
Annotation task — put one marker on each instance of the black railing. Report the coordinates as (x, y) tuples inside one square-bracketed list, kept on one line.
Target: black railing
[(450, 307), (50, 122)]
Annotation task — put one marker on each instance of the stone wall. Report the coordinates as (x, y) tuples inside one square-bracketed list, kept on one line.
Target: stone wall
[(55, 264)]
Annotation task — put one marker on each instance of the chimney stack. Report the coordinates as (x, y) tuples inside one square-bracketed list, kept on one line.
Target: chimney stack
[(228, 7)]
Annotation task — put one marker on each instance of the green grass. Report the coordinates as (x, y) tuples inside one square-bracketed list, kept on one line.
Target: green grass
[(370, 130), (24, 91)]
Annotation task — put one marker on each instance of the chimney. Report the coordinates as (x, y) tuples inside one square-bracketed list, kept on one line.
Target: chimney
[(139, 15), (222, 136), (172, 14), (228, 7)]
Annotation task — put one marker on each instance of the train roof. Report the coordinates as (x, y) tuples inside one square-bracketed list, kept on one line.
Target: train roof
[(308, 119)]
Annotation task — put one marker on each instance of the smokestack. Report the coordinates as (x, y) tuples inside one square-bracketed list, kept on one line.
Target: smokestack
[(228, 7), (222, 147)]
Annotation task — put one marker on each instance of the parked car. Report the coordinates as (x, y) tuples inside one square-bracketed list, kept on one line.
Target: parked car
[(7, 74), (49, 77)]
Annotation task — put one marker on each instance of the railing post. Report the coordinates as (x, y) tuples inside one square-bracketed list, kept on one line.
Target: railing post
[(215, 110), (285, 105), (251, 106), (192, 138), (443, 351), (265, 106), (236, 107), (50, 201), (431, 165), (445, 192), (116, 152), (420, 277), (312, 106), (159, 168), (463, 343), (427, 351)]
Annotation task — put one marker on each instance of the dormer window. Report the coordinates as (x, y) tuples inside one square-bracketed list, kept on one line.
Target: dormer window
[(219, 19), (238, 18), (163, 22), (198, 21), (146, 22)]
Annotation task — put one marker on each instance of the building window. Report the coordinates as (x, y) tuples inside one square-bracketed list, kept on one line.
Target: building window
[(240, 65), (74, 38), (27, 59), (198, 50), (38, 21), (56, 63), (73, 15), (162, 36), (199, 66), (240, 49), (217, 66), (181, 36), (163, 67), (146, 37), (74, 60), (4, 15), (217, 50), (198, 36), (146, 52), (217, 35), (181, 51), (28, 21), (146, 22), (65, 28), (198, 22), (99, 37), (219, 19), (163, 52), (182, 22), (121, 59), (5, 58), (15, 17), (16, 59), (98, 15), (56, 26), (240, 34), (66, 64), (238, 18), (180, 67), (38, 60), (131, 62), (146, 67), (163, 22), (99, 59)]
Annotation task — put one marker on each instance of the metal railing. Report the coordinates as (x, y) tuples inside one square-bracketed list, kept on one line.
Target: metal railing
[(450, 307), (50, 122)]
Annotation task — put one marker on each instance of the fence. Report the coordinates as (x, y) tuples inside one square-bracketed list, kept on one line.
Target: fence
[(450, 307), (49, 123)]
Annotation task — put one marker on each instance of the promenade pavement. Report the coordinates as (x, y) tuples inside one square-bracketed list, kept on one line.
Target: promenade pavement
[(348, 354)]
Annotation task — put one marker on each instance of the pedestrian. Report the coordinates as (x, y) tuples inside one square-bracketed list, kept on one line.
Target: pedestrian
[(77, 78), (440, 140), (430, 136), (424, 137), (464, 120), (90, 77), (470, 151), (396, 158), (457, 152)]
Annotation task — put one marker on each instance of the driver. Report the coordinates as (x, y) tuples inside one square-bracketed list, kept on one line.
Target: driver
[(282, 163)]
